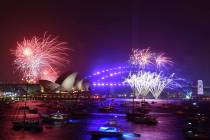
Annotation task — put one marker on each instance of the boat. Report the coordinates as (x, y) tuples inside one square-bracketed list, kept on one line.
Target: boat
[(33, 110), (147, 119), (54, 118), (197, 135), (58, 116), (197, 127), (131, 116), (72, 121), (144, 103), (153, 102), (79, 113), (107, 132), (111, 129), (25, 123), (143, 110), (31, 125), (124, 104), (141, 118), (106, 109), (180, 112)]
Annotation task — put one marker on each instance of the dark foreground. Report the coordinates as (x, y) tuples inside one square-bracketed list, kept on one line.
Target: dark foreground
[(170, 126)]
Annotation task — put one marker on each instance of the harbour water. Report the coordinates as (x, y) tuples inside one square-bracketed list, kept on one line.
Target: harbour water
[(169, 128)]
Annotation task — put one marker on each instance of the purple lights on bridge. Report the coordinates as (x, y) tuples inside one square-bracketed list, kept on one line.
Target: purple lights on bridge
[(95, 84), (112, 77), (109, 70)]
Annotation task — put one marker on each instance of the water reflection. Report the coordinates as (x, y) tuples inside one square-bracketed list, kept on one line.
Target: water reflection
[(108, 138), (168, 128)]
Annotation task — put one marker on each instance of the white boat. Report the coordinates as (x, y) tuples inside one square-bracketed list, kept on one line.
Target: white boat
[(107, 131), (54, 118), (58, 116), (110, 129)]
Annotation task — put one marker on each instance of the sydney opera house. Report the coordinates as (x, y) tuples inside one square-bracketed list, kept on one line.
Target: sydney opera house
[(67, 82)]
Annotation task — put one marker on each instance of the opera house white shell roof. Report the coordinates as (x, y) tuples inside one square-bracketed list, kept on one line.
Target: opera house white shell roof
[(67, 82)]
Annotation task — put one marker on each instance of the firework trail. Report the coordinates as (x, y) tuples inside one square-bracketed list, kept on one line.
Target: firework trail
[(140, 82), (144, 82), (40, 58), (159, 83), (151, 80), (141, 57), (162, 61)]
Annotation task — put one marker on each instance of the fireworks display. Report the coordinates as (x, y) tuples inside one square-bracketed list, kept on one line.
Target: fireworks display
[(40, 58), (145, 81), (159, 82), (162, 60), (141, 57), (145, 57), (140, 83)]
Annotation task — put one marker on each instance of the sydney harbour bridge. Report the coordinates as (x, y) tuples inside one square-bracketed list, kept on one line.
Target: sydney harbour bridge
[(70, 85)]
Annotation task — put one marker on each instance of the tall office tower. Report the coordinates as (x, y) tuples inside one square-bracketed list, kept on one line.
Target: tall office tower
[(200, 87)]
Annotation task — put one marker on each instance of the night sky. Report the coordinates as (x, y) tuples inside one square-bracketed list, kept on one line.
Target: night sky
[(101, 33)]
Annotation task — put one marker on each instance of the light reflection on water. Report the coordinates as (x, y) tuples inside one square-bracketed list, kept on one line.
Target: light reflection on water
[(169, 128), (106, 138)]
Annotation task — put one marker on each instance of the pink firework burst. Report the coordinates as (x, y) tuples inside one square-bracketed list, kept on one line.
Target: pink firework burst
[(162, 60), (141, 57), (40, 58)]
